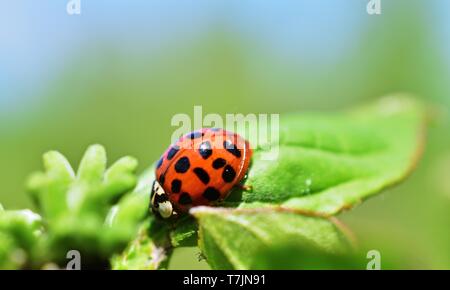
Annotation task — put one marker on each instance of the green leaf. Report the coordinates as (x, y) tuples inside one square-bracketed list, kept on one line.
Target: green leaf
[(150, 250), (19, 234), (134, 206), (231, 238), (330, 162), (49, 189), (293, 256), (326, 163), (184, 233), (77, 208), (153, 246), (93, 164)]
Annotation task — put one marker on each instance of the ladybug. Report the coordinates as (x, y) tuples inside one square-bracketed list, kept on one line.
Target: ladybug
[(201, 168)]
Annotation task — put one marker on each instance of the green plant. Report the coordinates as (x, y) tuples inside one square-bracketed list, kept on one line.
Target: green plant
[(326, 163), (20, 231), (74, 209)]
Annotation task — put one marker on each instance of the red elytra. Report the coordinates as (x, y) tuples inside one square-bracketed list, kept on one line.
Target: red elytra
[(201, 168)]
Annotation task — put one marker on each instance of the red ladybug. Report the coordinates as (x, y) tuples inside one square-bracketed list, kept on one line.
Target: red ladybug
[(201, 168)]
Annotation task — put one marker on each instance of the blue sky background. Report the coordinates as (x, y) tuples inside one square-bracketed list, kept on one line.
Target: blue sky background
[(38, 38)]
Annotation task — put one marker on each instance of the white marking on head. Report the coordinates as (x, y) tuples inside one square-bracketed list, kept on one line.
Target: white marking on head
[(157, 188), (164, 208)]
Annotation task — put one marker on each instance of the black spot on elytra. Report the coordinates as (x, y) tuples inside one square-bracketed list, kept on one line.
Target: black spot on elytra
[(232, 148), (228, 174), (205, 149), (211, 194), (173, 150), (160, 162), (195, 135), (161, 179), (185, 198), (219, 163), (182, 165), (176, 186), (202, 174)]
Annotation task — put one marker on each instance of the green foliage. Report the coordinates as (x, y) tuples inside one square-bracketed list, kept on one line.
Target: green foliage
[(149, 251), (326, 163), (19, 233), (233, 239), (330, 162), (75, 206), (292, 255)]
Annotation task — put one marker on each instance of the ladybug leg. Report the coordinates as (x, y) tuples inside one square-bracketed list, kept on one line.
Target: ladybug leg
[(200, 256), (244, 187)]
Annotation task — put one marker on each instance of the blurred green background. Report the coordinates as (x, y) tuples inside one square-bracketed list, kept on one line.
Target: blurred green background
[(119, 71)]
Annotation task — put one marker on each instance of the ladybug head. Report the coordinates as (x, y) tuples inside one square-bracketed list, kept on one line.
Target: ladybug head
[(160, 202)]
